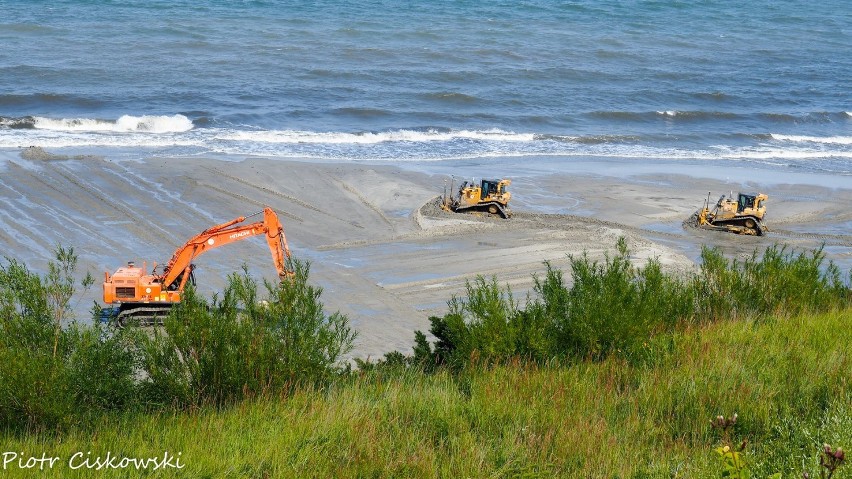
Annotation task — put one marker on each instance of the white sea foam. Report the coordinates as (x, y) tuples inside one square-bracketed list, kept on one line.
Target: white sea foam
[(408, 145), (127, 123), (770, 154), (839, 140), (339, 138), (73, 139)]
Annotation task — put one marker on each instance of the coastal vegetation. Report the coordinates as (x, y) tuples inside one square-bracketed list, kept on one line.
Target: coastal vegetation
[(611, 369)]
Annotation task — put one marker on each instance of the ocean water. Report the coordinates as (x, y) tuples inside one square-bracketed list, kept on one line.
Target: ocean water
[(764, 83)]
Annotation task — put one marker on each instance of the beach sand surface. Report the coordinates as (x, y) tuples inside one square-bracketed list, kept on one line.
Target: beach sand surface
[(381, 250)]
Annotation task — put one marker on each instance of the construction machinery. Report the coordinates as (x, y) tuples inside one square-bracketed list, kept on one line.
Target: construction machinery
[(490, 196), (146, 298), (743, 215)]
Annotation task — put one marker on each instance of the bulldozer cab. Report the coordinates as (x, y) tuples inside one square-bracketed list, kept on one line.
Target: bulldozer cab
[(487, 195), (489, 187), (750, 204), (744, 201)]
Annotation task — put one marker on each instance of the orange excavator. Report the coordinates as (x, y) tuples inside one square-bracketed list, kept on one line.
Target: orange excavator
[(147, 298)]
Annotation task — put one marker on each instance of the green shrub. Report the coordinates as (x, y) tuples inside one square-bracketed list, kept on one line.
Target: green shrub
[(611, 306), (237, 346), (53, 375), (616, 307), (779, 283), (485, 327)]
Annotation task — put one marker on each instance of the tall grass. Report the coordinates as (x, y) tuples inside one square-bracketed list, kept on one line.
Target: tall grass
[(786, 379)]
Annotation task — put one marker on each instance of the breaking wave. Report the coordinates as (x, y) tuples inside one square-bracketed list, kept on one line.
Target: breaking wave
[(838, 140), (17, 123), (697, 115), (178, 138), (429, 135), (125, 124)]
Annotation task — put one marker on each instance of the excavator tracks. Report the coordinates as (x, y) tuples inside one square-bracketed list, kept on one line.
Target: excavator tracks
[(142, 315)]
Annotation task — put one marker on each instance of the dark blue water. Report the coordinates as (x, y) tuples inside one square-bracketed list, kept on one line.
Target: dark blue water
[(760, 82)]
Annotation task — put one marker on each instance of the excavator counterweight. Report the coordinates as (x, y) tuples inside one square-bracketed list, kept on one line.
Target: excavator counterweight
[(148, 297)]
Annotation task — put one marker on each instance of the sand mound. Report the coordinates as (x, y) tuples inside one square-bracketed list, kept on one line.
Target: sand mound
[(37, 153)]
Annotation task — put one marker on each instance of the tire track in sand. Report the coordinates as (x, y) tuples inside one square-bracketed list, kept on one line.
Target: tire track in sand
[(278, 194)]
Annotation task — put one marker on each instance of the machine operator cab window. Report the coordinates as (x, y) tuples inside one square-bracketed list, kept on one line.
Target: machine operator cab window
[(489, 187), (745, 201)]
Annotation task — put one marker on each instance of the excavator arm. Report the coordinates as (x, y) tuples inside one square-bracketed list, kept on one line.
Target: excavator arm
[(147, 298), (177, 271)]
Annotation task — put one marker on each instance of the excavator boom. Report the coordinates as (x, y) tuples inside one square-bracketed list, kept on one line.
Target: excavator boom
[(148, 296), (180, 264)]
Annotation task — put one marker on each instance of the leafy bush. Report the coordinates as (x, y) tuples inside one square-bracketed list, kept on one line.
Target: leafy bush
[(237, 346), (616, 307), (780, 282), (613, 306), (54, 375), (485, 327)]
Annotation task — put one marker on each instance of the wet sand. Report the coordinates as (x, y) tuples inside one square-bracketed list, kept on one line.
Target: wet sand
[(383, 254)]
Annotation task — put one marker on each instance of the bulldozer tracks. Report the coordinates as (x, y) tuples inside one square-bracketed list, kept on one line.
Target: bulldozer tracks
[(366, 202), (845, 240), (273, 193), (250, 201)]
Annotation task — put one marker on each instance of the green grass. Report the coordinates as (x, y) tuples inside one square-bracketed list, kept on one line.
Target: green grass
[(788, 380)]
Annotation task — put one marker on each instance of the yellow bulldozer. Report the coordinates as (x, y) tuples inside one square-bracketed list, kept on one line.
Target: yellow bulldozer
[(743, 215), (491, 196)]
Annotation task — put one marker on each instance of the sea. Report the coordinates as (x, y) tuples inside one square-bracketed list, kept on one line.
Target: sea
[(716, 82)]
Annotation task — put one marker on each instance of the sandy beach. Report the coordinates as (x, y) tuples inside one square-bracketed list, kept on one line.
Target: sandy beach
[(383, 254)]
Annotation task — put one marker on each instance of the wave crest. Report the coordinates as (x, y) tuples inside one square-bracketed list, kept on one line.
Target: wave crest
[(697, 115), (293, 136), (126, 124), (17, 123), (837, 140)]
